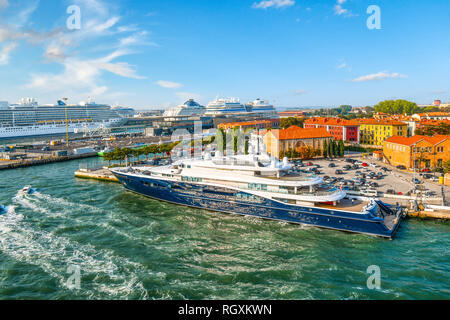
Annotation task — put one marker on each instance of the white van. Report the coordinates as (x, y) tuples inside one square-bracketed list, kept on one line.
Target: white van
[(370, 193)]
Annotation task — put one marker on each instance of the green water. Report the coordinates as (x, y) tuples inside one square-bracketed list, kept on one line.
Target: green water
[(130, 247)]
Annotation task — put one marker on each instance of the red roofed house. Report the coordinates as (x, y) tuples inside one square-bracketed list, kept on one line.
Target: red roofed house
[(340, 129), (294, 137), (432, 116), (418, 151)]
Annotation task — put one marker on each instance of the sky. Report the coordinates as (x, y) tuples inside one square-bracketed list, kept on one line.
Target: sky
[(157, 54)]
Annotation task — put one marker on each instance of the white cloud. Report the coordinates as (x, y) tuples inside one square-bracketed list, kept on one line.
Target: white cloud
[(5, 53), (83, 74), (300, 92), (54, 52), (105, 25), (168, 84), (340, 10), (265, 4), (379, 76), (342, 65), (3, 4)]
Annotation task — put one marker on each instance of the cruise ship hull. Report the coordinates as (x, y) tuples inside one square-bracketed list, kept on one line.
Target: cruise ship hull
[(46, 130), (224, 200)]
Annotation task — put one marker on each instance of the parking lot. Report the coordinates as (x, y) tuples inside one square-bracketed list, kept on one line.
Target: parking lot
[(373, 178)]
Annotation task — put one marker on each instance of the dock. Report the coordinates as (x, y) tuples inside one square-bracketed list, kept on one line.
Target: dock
[(99, 174), (8, 165)]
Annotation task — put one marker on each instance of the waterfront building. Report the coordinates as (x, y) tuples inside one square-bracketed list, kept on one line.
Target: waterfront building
[(292, 114), (255, 124), (340, 129), (417, 151), (375, 132), (166, 126), (294, 137)]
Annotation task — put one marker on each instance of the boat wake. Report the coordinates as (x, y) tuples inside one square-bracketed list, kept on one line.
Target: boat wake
[(110, 275), (72, 213)]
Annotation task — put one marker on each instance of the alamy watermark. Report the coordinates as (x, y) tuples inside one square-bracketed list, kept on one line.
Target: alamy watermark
[(374, 280), (374, 21), (74, 20), (74, 280)]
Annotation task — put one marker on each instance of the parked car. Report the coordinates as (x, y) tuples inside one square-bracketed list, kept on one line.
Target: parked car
[(339, 171), (416, 181), (427, 176), (374, 185), (374, 165), (426, 170), (434, 179), (332, 165), (390, 191), (365, 164), (309, 164), (385, 169), (355, 167), (347, 167), (401, 167)]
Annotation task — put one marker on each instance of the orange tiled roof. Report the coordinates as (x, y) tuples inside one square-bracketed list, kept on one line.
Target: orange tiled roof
[(246, 123), (380, 122), (408, 141), (434, 114), (295, 132), (332, 121), (426, 122)]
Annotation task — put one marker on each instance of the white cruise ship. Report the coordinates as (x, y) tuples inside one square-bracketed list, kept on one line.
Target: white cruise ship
[(261, 107), (225, 107), (27, 118), (189, 108)]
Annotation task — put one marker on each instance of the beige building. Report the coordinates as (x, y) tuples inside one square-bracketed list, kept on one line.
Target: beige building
[(293, 138)]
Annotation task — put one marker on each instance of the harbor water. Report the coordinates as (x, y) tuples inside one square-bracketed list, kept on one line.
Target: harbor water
[(114, 244)]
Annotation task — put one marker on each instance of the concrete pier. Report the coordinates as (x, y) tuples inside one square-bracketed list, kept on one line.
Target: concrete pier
[(101, 175)]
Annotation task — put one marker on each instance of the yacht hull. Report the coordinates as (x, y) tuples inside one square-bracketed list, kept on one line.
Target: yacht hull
[(220, 199)]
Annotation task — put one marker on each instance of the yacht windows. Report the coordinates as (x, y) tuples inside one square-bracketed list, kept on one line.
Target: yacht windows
[(248, 197), (257, 186), (191, 179)]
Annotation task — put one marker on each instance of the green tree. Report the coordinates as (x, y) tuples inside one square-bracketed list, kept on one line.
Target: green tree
[(221, 138), (341, 149), (291, 121), (397, 107), (325, 149)]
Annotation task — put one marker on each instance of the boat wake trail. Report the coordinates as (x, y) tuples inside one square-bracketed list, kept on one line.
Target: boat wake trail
[(72, 213), (106, 274)]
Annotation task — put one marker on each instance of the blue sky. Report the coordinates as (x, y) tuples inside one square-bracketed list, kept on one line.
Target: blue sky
[(146, 53)]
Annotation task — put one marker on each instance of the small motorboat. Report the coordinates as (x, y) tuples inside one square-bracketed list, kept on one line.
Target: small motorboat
[(27, 190), (3, 209)]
